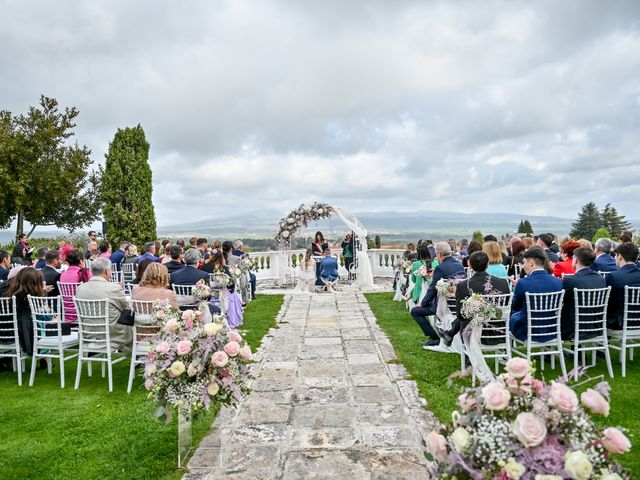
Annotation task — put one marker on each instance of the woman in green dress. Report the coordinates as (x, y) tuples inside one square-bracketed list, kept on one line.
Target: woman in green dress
[(423, 264)]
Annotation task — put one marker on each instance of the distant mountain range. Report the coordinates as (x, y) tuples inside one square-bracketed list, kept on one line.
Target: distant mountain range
[(389, 225)]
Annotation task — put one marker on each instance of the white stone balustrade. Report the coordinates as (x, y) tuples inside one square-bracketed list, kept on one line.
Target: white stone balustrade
[(270, 265)]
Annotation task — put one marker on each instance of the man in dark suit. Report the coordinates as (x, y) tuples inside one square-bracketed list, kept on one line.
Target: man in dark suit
[(604, 261), (481, 282), (118, 256), (177, 256), (42, 252), (189, 275), (5, 265), (536, 281), (51, 272), (584, 278), (627, 274), (545, 241), (447, 268)]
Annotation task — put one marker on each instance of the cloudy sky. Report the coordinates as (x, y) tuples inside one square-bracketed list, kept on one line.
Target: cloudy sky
[(499, 106)]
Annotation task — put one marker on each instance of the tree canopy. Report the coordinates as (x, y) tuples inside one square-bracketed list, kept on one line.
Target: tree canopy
[(127, 189), (46, 180), (590, 219)]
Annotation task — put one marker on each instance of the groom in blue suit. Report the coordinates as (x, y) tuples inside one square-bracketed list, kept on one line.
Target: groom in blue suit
[(328, 268), (536, 281)]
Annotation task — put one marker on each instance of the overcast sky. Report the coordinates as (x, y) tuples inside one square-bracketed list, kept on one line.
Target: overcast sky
[(498, 106)]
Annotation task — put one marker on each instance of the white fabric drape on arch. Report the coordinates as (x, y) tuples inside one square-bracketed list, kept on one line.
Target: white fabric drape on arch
[(365, 274)]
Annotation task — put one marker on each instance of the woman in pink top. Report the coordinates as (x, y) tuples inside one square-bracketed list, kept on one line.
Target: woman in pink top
[(105, 249), (75, 274)]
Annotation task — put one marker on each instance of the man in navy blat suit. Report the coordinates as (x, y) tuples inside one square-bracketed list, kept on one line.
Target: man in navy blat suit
[(447, 268), (189, 275), (536, 281), (545, 241), (328, 268), (627, 274), (584, 278), (118, 256), (604, 261)]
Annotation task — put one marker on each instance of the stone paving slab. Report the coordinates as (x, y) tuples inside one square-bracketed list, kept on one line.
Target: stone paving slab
[(325, 404)]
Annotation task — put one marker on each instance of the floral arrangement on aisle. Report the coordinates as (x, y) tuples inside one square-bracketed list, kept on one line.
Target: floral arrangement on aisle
[(194, 364), (201, 291), (236, 272), (406, 265), (519, 428), (479, 310), (446, 287), (219, 280), (246, 264), (299, 218)]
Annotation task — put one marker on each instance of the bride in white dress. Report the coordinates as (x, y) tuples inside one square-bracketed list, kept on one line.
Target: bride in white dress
[(307, 278)]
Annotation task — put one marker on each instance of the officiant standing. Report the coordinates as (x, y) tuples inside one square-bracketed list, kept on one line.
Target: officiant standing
[(318, 246)]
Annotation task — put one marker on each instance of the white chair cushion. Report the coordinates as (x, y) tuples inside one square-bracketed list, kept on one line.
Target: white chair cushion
[(70, 340)]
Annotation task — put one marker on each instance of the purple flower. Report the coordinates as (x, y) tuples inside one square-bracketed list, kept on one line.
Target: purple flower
[(545, 459)]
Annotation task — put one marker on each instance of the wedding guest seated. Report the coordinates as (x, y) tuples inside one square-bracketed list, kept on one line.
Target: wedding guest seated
[(189, 275), (227, 250), (99, 287), (413, 252), (92, 246), (51, 272), (536, 281), (566, 265), (142, 266), (149, 252), (627, 274), (328, 269), (119, 255), (41, 260), (423, 260), (583, 278), (462, 247), (131, 255), (545, 241), (474, 246), (5, 265), (496, 267), (516, 258), (177, 255), (203, 245), (154, 285), (447, 268), (76, 273), (92, 237), (25, 281), (604, 261), (481, 282), (105, 249)]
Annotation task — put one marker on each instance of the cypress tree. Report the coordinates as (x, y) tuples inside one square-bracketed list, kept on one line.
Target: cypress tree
[(127, 188), (589, 220)]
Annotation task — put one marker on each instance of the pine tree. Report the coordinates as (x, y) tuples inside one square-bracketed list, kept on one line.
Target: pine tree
[(127, 188), (377, 241), (589, 220), (528, 229), (521, 227), (478, 237), (613, 222)]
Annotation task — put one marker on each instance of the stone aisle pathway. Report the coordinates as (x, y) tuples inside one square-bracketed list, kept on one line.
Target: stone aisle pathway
[(325, 403)]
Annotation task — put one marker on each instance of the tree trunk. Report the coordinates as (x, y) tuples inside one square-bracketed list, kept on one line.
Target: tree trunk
[(20, 224), (33, 227)]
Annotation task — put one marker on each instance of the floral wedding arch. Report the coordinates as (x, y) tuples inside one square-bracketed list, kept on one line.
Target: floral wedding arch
[(299, 218)]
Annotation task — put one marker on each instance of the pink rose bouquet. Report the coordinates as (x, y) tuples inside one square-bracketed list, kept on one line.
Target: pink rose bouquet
[(520, 428), (193, 364)]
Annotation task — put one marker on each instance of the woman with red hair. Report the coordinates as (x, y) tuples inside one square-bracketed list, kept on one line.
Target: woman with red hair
[(566, 265)]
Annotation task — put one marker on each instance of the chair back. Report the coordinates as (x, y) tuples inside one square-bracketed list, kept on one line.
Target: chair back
[(9, 322), (631, 319), (143, 310), (498, 328), (543, 316), (46, 315), (128, 271), (185, 298), (116, 276), (590, 312), (453, 305), (603, 274), (93, 325), (67, 292), (516, 269)]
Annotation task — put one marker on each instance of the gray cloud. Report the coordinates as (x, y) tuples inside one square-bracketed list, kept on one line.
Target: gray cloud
[(499, 106)]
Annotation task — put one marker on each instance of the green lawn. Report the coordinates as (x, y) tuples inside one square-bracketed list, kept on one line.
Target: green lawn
[(50, 433), (431, 370)]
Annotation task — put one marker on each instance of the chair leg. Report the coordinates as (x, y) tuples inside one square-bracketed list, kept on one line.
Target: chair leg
[(624, 359), (34, 359), (562, 364), (78, 372), (541, 362), (20, 364), (553, 361), (102, 363), (576, 363), (132, 368), (90, 368), (62, 370), (607, 356), (109, 369), (49, 365), (631, 354)]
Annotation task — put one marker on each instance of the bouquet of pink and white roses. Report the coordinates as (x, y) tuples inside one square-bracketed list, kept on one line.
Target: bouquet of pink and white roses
[(299, 218), (479, 310), (201, 291), (192, 364), (519, 428)]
